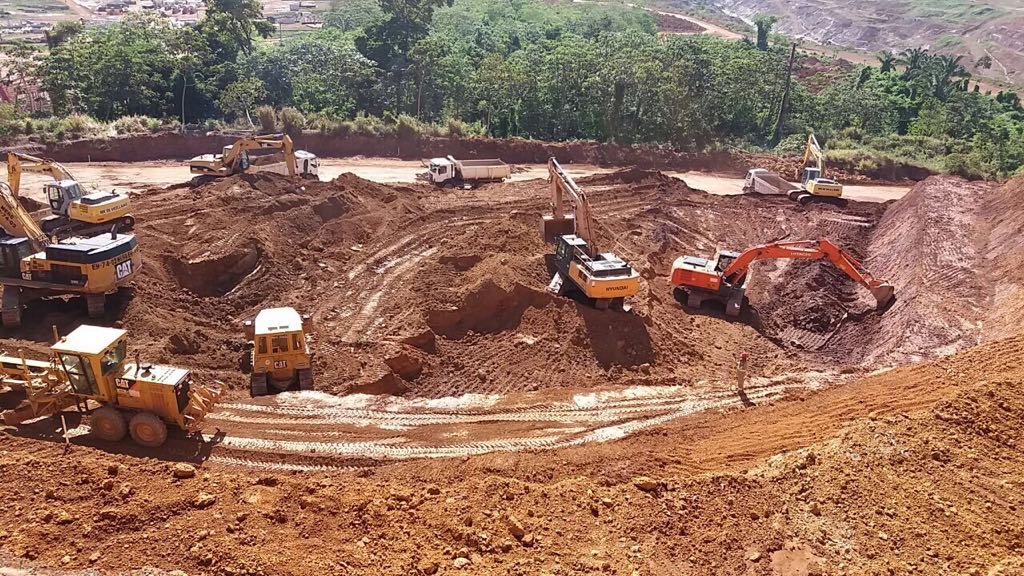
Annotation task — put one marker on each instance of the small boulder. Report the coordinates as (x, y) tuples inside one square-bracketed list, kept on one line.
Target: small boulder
[(647, 484), (204, 500), (182, 471)]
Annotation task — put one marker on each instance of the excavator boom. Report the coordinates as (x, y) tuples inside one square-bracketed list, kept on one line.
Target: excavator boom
[(236, 158), (562, 187), (16, 221), (18, 163), (811, 250)]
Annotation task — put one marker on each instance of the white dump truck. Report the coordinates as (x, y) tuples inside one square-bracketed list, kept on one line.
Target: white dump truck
[(451, 173), (762, 181)]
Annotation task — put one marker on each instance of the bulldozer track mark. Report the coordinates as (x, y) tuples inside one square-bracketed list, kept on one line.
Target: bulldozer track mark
[(233, 462)]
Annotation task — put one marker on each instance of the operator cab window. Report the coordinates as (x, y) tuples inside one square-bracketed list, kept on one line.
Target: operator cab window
[(79, 374), (279, 344), (295, 342), (263, 345), (55, 195), (113, 358)]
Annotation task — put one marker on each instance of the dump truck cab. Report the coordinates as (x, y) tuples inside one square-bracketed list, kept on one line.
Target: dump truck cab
[(136, 398), (441, 170), (281, 357)]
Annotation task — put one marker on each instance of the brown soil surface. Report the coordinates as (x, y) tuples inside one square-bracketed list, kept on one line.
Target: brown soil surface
[(612, 439), (673, 25)]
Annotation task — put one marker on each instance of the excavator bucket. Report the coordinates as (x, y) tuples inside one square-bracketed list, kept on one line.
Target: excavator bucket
[(885, 295)]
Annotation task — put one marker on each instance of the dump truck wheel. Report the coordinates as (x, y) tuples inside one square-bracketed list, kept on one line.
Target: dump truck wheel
[(258, 385), (147, 429), (306, 379), (107, 423)]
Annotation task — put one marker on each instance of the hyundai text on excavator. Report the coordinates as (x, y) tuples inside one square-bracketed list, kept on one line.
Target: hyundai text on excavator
[(88, 369), (580, 266), (812, 176), (72, 211), (235, 159), (724, 278), (31, 267)]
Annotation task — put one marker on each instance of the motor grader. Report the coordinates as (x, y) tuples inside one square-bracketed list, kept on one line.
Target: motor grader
[(281, 359), (88, 370)]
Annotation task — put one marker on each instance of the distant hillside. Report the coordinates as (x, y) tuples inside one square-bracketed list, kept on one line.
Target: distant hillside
[(970, 27)]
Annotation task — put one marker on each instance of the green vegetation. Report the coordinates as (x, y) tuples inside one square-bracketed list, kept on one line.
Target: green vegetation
[(527, 68)]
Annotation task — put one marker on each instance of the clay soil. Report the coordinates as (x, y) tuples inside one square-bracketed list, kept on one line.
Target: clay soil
[(468, 421)]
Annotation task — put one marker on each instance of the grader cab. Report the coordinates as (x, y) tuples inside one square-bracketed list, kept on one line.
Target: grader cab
[(88, 367)]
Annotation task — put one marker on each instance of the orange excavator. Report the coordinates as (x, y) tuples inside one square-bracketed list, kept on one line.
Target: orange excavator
[(725, 277)]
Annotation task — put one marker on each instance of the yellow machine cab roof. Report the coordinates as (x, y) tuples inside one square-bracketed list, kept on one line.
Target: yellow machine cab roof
[(274, 320), (88, 340)]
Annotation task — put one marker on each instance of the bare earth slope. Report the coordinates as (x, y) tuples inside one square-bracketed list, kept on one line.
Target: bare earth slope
[(994, 27)]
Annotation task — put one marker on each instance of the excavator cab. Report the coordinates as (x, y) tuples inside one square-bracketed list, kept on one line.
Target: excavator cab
[(61, 193)]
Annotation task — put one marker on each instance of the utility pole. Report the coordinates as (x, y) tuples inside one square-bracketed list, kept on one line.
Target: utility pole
[(784, 107)]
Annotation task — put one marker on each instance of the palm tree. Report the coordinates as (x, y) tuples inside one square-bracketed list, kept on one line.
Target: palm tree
[(888, 60), (914, 60), (948, 75)]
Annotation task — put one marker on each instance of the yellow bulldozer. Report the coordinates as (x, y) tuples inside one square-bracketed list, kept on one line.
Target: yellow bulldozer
[(88, 370), (33, 267), (281, 359), (72, 211)]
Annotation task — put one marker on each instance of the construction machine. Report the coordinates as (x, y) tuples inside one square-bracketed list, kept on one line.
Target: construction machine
[(448, 172), (88, 370), (72, 211), (235, 158), (812, 176), (724, 278), (33, 267), (579, 265), (281, 358)]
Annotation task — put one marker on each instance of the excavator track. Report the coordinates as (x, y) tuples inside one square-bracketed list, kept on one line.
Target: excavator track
[(65, 228)]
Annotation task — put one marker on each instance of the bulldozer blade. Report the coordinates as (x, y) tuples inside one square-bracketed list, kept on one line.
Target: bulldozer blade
[(885, 296), (555, 286)]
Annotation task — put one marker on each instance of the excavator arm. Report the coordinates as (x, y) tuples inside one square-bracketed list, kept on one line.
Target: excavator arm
[(562, 187), (18, 163), (813, 156), (16, 221), (243, 145), (737, 270)]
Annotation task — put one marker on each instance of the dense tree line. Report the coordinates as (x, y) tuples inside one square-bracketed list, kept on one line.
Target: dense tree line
[(528, 68)]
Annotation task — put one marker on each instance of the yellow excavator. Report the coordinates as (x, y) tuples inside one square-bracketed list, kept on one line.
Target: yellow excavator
[(72, 211), (33, 267), (88, 368), (235, 158), (580, 266), (812, 176)]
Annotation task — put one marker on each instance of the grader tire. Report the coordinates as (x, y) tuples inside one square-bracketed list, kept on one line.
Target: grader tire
[(107, 423), (147, 429)]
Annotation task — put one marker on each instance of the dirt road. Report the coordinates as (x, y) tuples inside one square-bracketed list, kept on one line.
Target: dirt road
[(143, 175)]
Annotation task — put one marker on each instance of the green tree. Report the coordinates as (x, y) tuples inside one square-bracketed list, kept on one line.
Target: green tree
[(764, 25), (62, 32), (887, 60), (241, 96), (389, 42)]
